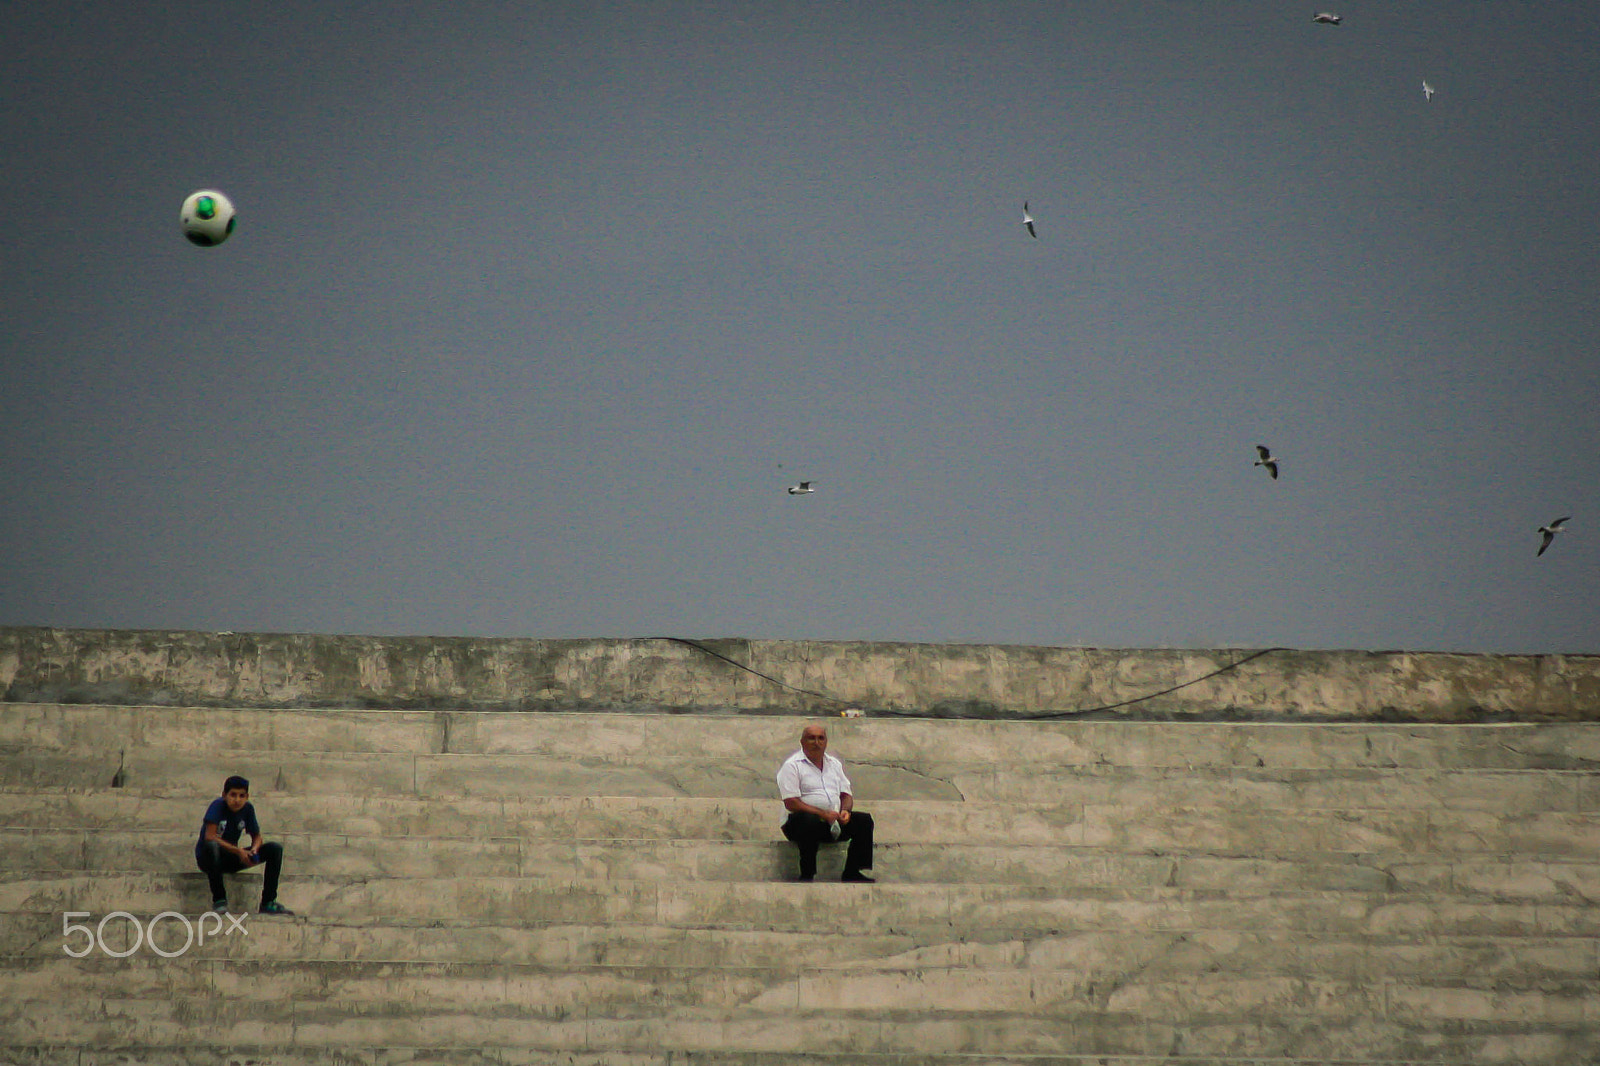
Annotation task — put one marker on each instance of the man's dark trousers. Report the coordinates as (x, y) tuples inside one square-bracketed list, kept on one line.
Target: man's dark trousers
[(214, 862), (809, 831)]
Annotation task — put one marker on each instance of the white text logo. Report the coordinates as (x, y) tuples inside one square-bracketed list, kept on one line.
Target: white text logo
[(195, 932)]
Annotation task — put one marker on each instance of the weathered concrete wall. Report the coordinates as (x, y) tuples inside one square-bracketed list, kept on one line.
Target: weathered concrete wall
[(272, 670)]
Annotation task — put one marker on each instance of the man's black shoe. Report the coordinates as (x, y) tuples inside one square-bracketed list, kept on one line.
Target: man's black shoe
[(858, 876), (804, 879)]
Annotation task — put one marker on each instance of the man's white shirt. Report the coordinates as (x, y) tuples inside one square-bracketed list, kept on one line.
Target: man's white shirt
[(799, 778)]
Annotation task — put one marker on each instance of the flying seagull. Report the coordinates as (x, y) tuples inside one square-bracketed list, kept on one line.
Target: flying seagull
[(1327, 18), (1266, 460), (1550, 532), (1027, 220), (801, 489), (1427, 90)]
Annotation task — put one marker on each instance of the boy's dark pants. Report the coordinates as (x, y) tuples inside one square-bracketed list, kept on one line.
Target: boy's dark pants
[(809, 831), (214, 862)]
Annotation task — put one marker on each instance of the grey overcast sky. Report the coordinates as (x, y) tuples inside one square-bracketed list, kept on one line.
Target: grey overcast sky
[(534, 310)]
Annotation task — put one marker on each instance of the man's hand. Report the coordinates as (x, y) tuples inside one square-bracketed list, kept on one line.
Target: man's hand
[(796, 805)]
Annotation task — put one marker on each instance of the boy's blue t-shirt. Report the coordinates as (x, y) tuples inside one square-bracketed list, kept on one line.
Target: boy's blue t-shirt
[(229, 825)]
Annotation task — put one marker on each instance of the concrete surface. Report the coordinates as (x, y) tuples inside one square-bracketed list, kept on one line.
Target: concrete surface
[(477, 884), (279, 670)]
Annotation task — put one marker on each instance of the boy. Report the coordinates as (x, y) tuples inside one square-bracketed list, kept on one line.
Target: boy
[(218, 852)]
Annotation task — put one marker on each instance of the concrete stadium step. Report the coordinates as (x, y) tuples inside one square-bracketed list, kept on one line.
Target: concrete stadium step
[(540, 818), (367, 1055), (766, 739), (490, 777), (677, 860), (1344, 790), (1158, 826), (386, 1055), (609, 991), (97, 727), (431, 776), (1065, 867), (610, 889), (976, 912), (1506, 962), (1260, 1018), (1349, 789)]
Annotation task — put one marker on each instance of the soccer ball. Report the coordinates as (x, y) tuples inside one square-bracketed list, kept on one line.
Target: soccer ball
[(207, 217)]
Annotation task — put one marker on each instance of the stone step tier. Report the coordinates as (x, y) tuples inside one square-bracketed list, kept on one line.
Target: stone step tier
[(611, 890)]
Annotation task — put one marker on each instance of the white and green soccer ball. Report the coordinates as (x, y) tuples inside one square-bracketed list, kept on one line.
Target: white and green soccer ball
[(207, 218)]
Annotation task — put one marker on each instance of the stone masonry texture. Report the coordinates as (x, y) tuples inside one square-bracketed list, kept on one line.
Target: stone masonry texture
[(197, 669)]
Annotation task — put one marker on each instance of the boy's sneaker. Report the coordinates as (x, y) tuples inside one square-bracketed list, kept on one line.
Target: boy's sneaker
[(220, 906), (274, 907)]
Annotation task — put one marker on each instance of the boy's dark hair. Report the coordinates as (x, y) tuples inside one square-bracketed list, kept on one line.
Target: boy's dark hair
[(235, 782)]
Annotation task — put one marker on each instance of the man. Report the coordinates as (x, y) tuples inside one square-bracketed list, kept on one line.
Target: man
[(817, 795), (218, 852)]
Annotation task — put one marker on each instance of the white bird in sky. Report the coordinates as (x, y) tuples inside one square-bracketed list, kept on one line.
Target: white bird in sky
[(1427, 90), (801, 489), (1550, 532), (1027, 220), (1327, 18), (1266, 460)]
